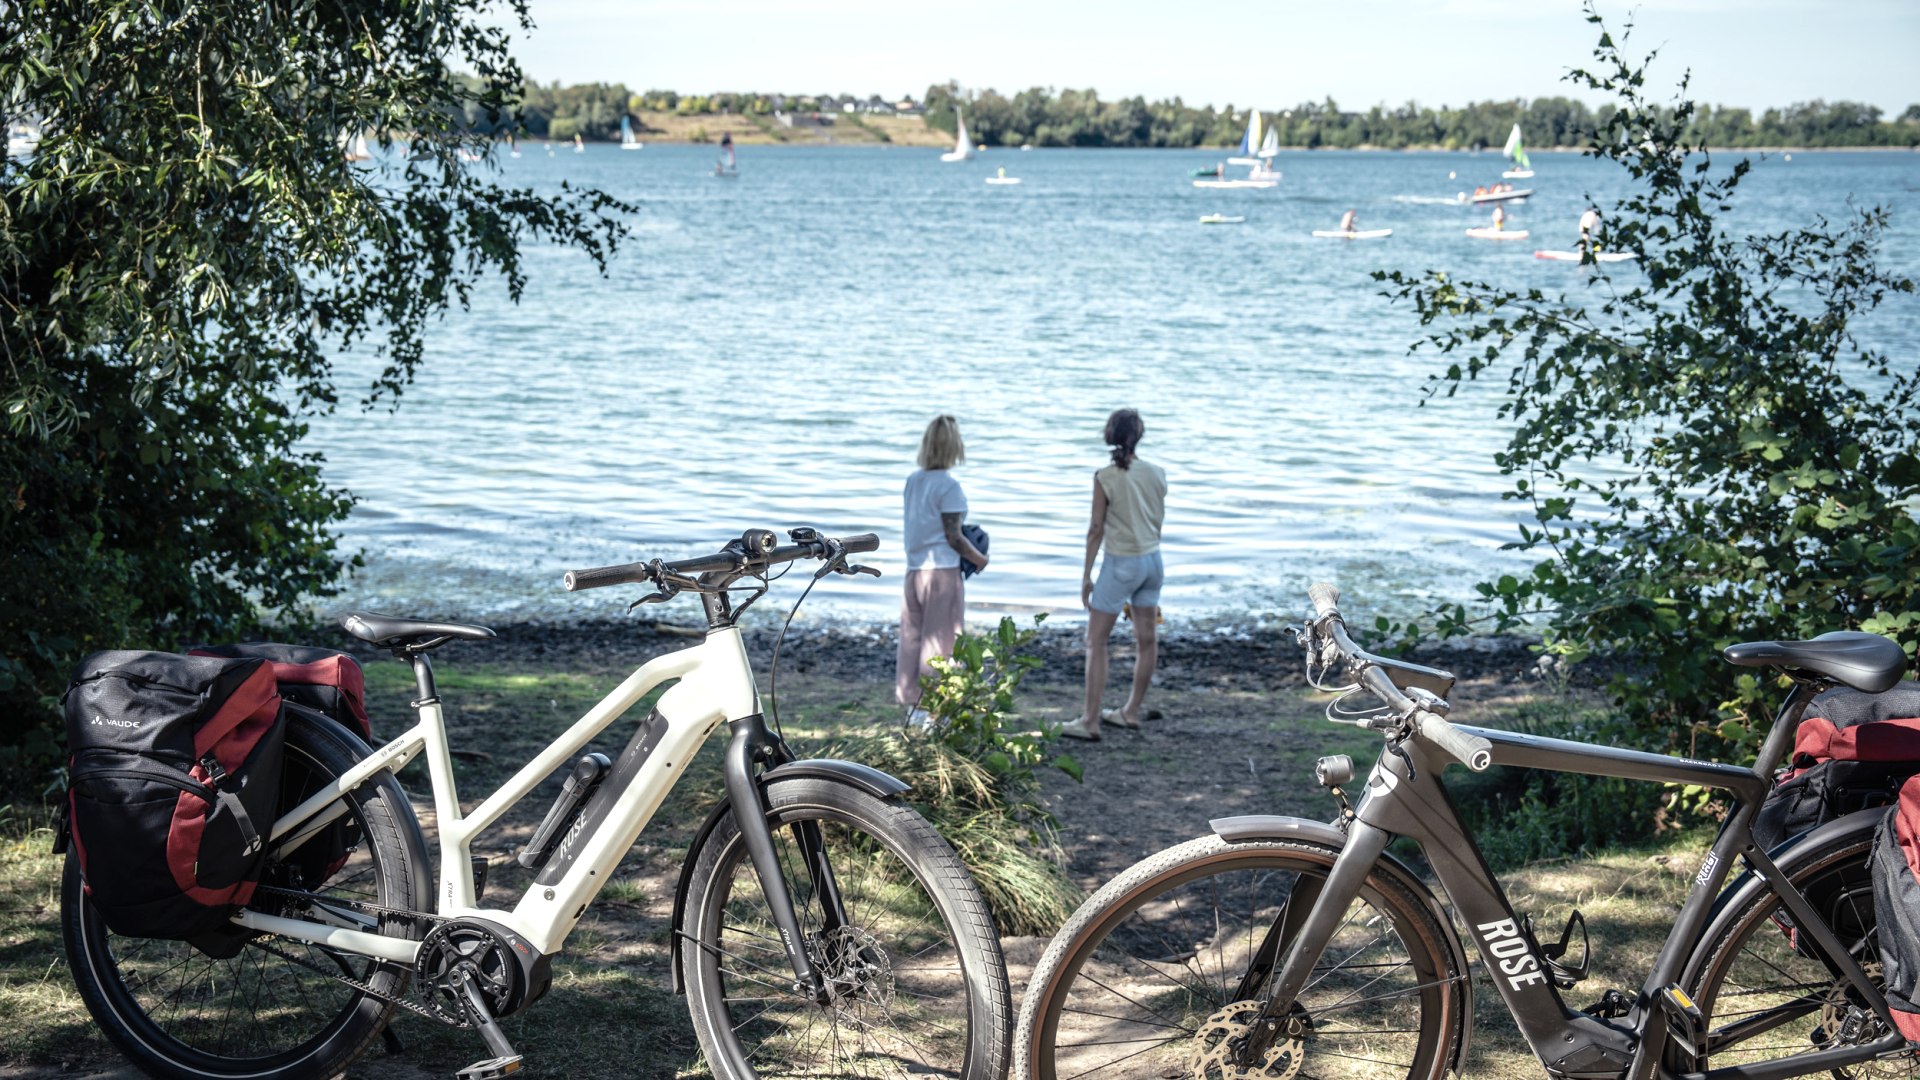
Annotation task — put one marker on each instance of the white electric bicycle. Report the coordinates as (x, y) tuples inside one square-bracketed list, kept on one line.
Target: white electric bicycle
[(821, 927)]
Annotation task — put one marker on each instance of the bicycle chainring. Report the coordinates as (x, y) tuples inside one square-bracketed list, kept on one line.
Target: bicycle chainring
[(485, 953), (1218, 1043)]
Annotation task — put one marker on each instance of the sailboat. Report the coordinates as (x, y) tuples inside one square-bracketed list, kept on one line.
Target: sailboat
[(1250, 142), (1269, 149), (513, 145), (357, 148), (962, 149), (1518, 153), (579, 144), (726, 168), (627, 141)]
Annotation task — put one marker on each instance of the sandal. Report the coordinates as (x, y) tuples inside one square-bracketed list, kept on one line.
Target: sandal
[(1118, 719), (1075, 731)]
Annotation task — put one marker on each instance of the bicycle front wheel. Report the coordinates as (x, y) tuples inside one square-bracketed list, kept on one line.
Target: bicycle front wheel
[(916, 982), (1762, 984), (1148, 978), (264, 1008)]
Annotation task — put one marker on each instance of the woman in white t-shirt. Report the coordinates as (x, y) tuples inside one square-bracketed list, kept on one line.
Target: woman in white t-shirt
[(935, 602), (1129, 505)]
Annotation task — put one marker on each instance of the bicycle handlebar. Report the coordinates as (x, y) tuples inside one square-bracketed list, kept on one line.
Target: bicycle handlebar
[(756, 549), (1473, 751)]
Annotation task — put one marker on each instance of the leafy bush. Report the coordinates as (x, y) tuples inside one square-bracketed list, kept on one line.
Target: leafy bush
[(181, 259), (973, 776), (1709, 455)]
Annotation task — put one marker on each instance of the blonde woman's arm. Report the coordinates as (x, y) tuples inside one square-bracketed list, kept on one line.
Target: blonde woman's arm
[(1096, 532), (958, 541)]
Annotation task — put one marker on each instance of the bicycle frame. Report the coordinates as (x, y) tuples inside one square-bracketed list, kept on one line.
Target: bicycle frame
[(715, 685), (1408, 797)]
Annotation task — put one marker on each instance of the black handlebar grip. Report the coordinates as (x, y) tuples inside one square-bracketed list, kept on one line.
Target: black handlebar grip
[(1325, 598), (853, 545), (601, 576)]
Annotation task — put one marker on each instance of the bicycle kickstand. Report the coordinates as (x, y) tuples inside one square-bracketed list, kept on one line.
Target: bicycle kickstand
[(505, 1061)]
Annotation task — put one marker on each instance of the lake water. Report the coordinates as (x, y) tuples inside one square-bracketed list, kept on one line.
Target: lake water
[(766, 351)]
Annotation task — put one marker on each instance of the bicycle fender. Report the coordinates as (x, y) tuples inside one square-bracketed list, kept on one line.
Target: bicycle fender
[(865, 777), (1276, 827), (868, 779), (1785, 855)]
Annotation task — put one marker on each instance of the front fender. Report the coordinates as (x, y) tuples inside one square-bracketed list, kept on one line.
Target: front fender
[(1275, 827), (878, 784)]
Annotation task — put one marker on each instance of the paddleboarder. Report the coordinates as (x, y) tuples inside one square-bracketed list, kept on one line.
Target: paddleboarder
[(1346, 221), (1589, 221), (1499, 218)]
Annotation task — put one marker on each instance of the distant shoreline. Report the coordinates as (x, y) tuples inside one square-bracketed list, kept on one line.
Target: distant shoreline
[(758, 140)]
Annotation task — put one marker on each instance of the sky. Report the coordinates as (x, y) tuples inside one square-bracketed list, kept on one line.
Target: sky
[(1752, 53)]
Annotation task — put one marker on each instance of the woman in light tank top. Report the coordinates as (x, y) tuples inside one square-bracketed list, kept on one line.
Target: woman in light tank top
[(1129, 504)]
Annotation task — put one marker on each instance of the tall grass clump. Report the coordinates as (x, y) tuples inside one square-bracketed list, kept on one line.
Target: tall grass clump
[(974, 774)]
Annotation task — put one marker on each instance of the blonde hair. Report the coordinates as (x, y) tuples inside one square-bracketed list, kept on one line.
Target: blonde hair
[(941, 447)]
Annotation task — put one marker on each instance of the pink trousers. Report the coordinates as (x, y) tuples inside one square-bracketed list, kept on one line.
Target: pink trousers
[(931, 614)]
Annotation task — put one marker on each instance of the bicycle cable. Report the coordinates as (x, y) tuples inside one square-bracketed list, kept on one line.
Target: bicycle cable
[(773, 668)]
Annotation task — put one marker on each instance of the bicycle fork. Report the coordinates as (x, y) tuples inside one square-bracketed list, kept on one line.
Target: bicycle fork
[(752, 748)]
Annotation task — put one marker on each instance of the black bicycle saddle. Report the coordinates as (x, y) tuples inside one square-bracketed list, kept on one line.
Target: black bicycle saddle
[(1866, 662)]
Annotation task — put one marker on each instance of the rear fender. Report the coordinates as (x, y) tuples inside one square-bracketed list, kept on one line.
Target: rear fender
[(878, 784), (1274, 827)]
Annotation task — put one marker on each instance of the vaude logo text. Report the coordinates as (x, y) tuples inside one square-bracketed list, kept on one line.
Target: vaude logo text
[(104, 722)]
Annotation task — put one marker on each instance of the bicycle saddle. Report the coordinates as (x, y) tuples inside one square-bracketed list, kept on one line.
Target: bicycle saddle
[(1866, 662), (387, 631)]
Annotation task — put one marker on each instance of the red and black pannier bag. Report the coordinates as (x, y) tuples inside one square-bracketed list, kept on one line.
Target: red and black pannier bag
[(1851, 752), (1896, 907), (325, 680), (315, 683), (174, 780)]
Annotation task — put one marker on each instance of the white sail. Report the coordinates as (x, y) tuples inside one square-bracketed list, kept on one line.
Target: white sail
[(1513, 141), (962, 149), (1270, 145), (627, 140), (1249, 142)]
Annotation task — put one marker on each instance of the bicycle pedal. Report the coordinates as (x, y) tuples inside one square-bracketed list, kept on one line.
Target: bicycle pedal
[(1686, 1026), (491, 1068)]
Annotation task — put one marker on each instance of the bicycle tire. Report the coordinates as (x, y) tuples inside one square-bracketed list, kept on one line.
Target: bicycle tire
[(1112, 1011), (167, 1028), (1753, 968), (872, 844)]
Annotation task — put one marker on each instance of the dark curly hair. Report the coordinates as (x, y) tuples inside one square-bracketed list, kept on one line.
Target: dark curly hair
[(1124, 429)]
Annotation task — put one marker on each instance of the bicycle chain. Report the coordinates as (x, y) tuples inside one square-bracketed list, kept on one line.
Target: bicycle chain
[(265, 941)]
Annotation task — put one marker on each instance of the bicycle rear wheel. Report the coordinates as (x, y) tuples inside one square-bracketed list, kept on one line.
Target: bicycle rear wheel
[(178, 1012), (1145, 979), (918, 983), (1762, 985)]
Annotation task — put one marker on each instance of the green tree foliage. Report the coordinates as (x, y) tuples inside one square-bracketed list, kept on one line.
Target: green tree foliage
[(1709, 454), (590, 110), (180, 259)]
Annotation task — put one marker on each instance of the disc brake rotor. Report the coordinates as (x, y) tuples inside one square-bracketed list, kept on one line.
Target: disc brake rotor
[(858, 970), (1217, 1048)]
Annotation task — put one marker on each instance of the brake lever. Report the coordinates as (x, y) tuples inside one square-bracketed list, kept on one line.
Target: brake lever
[(657, 597), (836, 556), (851, 570)]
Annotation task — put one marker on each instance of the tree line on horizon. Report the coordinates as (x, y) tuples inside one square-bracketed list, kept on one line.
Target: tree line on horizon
[(1048, 117)]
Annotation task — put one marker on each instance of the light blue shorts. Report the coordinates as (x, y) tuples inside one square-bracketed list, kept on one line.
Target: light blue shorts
[(1127, 579)]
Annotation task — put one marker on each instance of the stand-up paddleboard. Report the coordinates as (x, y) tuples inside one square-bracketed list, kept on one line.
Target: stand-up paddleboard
[(1353, 234), (1488, 232), (1574, 256), (1235, 183), (1003, 179), (1495, 196), (1221, 219)]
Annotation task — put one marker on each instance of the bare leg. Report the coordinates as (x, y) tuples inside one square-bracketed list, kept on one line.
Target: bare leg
[(1099, 628), (1146, 639)]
